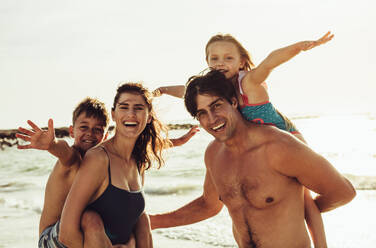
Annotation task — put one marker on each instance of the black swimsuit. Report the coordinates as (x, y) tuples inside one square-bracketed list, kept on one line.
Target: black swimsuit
[(119, 209)]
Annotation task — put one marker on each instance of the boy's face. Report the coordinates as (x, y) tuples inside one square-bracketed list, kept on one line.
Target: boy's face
[(87, 132), (225, 56)]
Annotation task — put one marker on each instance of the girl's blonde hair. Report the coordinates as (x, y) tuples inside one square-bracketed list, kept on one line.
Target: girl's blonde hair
[(248, 65)]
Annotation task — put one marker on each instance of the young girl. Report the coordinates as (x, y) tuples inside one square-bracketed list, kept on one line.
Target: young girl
[(226, 54)]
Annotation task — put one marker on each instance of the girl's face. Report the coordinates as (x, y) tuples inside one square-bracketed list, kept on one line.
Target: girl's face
[(131, 114), (225, 56)]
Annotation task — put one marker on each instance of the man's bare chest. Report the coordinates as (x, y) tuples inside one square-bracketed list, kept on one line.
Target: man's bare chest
[(249, 181)]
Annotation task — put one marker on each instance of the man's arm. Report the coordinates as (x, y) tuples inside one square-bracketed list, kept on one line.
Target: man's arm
[(186, 137), (280, 56), (294, 159), (46, 140), (175, 90), (204, 207)]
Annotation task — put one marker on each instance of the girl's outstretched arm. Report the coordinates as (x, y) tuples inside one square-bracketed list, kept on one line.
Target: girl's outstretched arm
[(280, 56), (175, 90), (314, 221)]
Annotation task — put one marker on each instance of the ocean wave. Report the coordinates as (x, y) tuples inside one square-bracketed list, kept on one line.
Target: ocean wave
[(362, 182), (205, 232), (297, 117), (32, 169), (20, 204), (170, 190), (14, 186)]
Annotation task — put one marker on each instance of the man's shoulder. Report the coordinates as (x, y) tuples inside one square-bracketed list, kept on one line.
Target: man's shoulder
[(213, 146), (213, 149), (280, 146), (271, 138)]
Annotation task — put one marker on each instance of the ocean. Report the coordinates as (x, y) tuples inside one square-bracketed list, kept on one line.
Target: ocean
[(347, 141)]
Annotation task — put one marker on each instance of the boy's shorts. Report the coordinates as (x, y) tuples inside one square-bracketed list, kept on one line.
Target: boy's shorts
[(50, 237)]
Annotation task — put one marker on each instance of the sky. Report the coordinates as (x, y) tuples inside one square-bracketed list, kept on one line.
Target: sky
[(54, 53)]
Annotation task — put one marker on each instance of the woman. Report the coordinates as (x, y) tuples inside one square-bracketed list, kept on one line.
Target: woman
[(111, 176)]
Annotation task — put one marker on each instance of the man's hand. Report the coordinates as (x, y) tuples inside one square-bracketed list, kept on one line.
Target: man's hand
[(152, 222), (307, 45), (38, 138)]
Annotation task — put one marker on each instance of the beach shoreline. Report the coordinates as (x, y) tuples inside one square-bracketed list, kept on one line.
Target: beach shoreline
[(8, 136)]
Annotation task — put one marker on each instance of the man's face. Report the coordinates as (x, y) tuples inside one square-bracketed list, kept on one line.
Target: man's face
[(216, 115), (87, 132)]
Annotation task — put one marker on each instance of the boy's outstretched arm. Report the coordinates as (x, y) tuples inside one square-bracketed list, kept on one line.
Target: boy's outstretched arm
[(280, 56), (184, 139), (46, 140), (314, 221), (175, 90)]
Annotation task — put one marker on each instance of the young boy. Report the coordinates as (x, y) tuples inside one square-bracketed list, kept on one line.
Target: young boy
[(90, 122)]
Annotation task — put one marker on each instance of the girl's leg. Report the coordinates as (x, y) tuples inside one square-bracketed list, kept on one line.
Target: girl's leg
[(314, 221), (313, 216)]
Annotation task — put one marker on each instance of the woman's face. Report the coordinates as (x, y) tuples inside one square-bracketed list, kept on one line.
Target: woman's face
[(225, 56), (131, 114)]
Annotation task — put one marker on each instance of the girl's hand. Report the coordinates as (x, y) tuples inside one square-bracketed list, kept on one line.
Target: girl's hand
[(307, 45), (157, 92)]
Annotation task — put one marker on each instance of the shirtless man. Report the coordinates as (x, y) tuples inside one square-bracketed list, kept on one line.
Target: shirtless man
[(256, 171)]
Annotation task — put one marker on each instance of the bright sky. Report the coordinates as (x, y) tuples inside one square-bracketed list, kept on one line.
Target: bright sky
[(54, 53)]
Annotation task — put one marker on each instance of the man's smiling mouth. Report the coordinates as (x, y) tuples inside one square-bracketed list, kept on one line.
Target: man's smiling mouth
[(218, 127)]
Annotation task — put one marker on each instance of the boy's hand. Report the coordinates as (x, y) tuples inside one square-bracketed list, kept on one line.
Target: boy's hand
[(307, 45), (38, 138)]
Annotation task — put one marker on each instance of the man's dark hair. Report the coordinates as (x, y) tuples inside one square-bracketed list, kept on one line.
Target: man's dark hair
[(213, 83)]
